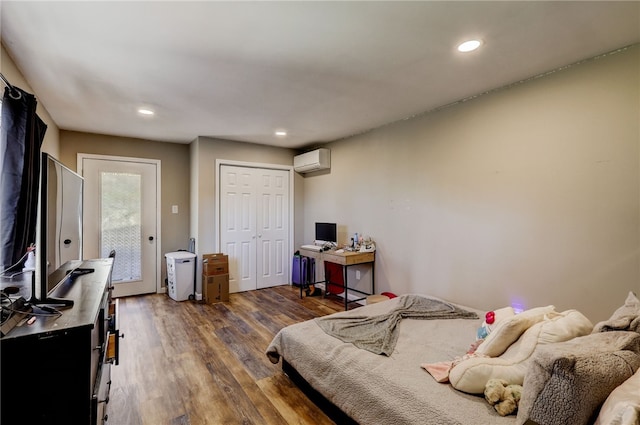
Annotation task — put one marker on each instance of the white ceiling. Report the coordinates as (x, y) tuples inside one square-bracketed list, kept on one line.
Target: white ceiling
[(321, 70)]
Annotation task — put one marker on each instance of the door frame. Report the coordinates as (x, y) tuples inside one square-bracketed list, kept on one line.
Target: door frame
[(158, 164), (216, 211)]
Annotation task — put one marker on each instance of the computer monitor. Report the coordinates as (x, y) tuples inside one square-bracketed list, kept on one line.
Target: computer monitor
[(326, 232)]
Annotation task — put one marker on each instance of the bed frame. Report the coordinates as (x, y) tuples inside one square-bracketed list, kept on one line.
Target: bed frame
[(328, 408)]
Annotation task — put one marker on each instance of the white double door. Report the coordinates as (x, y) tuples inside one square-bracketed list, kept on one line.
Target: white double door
[(254, 226)]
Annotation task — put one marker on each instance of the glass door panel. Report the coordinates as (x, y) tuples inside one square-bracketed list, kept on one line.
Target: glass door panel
[(121, 215)]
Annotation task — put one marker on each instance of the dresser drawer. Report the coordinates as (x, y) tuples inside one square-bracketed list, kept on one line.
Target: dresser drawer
[(100, 398), (113, 315), (113, 335)]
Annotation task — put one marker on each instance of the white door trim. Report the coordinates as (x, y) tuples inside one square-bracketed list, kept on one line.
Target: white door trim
[(158, 164), (216, 212)]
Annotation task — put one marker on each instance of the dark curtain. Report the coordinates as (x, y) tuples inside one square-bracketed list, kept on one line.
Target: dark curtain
[(21, 139)]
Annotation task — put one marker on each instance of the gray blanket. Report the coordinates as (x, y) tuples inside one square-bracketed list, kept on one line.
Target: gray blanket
[(625, 323), (566, 382), (379, 334)]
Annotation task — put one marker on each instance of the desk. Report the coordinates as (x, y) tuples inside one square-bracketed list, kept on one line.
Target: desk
[(345, 259)]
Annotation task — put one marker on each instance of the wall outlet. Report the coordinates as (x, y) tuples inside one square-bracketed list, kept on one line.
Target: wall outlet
[(174, 209), (357, 274)]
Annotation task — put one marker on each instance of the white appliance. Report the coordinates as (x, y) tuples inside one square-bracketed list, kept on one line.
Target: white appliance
[(319, 159), (180, 274)]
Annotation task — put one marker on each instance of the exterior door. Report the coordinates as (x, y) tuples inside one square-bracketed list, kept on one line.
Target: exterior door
[(254, 226), (121, 214)]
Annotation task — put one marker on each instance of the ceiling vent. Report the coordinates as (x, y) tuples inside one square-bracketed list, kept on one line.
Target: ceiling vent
[(319, 159)]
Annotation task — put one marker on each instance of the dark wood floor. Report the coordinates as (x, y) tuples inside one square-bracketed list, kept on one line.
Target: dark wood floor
[(192, 363)]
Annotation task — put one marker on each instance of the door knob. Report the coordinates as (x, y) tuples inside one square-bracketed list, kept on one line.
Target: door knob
[(150, 238), (67, 241)]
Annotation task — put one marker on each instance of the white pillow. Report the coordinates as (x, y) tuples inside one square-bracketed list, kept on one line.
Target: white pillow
[(509, 330), (622, 407), (500, 315), (471, 375)]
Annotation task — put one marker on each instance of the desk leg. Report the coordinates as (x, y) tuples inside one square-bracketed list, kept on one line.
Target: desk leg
[(326, 281), (373, 278), (346, 287)]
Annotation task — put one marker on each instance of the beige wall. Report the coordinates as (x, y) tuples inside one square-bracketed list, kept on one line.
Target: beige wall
[(8, 68), (204, 153), (175, 178), (527, 195)]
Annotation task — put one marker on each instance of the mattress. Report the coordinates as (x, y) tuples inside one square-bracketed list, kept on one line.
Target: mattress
[(378, 389)]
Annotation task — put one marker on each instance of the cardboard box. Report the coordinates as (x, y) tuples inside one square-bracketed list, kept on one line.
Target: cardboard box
[(215, 288), (212, 269), (215, 264), (215, 257)]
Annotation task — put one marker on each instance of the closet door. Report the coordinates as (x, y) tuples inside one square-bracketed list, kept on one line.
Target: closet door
[(238, 225), (254, 226), (272, 223)]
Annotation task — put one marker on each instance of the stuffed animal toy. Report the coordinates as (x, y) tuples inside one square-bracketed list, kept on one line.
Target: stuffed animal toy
[(504, 397)]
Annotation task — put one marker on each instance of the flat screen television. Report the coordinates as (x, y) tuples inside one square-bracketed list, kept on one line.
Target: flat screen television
[(59, 230), (326, 232)]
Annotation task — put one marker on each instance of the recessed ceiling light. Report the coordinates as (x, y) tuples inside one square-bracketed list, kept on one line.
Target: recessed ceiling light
[(469, 46), (281, 133), (145, 111)]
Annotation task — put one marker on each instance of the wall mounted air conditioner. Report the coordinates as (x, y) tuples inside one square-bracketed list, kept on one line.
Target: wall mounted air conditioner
[(319, 159)]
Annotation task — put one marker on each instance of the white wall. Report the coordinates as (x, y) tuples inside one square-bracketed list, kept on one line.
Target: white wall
[(527, 195), (204, 152)]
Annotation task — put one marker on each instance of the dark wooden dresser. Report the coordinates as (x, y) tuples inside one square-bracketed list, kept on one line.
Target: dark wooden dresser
[(57, 370)]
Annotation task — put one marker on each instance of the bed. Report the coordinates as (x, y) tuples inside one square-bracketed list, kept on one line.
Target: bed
[(375, 389), (369, 388)]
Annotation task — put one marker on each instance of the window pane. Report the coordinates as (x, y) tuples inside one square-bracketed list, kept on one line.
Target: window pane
[(121, 214)]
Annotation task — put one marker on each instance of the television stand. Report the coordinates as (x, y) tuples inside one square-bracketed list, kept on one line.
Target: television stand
[(80, 346)]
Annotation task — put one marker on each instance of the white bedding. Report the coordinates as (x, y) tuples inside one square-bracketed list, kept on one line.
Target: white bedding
[(376, 389)]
